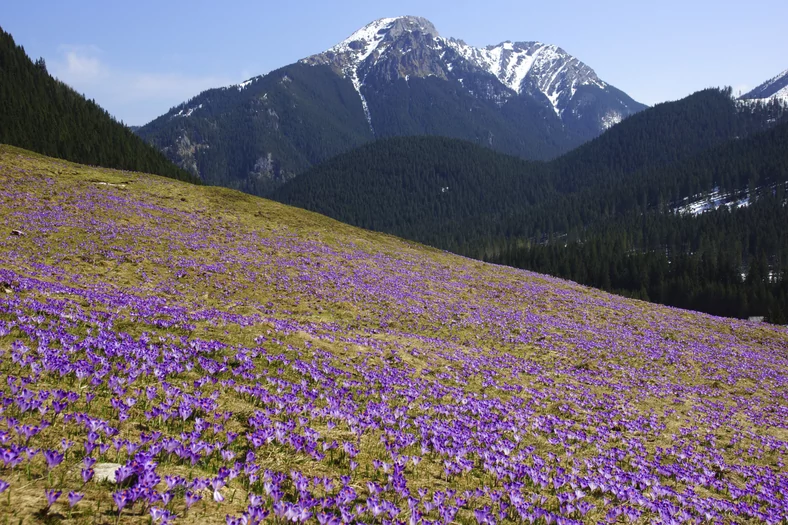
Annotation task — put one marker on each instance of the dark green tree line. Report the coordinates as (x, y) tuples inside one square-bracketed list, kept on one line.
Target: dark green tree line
[(44, 115)]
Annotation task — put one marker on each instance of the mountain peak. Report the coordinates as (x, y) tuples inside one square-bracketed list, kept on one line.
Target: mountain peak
[(404, 24), (365, 40), (508, 45), (386, 45), (366, 45)]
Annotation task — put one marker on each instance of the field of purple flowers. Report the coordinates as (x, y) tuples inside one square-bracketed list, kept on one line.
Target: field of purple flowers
[(172, 353)]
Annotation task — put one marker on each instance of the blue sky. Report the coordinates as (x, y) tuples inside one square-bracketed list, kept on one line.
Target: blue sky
[(137, 59)]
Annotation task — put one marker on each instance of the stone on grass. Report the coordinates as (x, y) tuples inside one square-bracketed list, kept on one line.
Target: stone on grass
[(105, 471)]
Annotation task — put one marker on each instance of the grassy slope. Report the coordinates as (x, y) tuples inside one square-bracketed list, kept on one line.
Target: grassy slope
[(193, 294)]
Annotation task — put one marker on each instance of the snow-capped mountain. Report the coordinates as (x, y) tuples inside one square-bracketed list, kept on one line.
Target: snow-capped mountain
[(773, 89), (364, 49), (410, 47), (523, 66), (393, 77)]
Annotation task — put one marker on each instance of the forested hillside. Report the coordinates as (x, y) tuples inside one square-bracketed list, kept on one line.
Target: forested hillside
[(424, 188), (607, 214), (639, 236), (256, 136), (42, 114), (731, 262), (661, 135), (467, 198)]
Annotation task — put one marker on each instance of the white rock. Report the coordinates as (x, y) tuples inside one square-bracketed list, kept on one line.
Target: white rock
[(105, 471)]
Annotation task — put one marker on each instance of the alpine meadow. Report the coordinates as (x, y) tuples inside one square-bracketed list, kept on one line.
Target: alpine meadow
[(402, 280)]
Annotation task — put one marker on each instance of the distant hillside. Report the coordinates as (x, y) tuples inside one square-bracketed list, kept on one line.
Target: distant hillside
[(470, 200), (661, 135), (708, 233), (256, 136), (431, 189), (459, 196), (40, 113)]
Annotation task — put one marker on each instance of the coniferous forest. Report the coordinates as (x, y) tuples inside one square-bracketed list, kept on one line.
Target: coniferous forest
[(40, 113)]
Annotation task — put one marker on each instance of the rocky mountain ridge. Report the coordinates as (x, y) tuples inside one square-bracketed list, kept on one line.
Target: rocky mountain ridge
[(408, 46), (393, 77)]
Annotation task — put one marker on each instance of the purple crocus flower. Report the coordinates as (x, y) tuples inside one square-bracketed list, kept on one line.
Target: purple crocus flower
[(156, 513), (280, 507), (52, 496), (120, 497), (217, 483), (87, 474), (173, 481), (257, 514), (4, 485), (53, 458), (484, 517), (191, 498), (328, 519), (166, 497), (184, 412), (200, 484), (10, 458), (122, 473), (302, 513), (74, 498)]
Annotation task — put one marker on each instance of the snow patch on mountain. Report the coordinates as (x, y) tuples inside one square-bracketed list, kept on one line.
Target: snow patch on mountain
[(776, 88), (711, 201), (523, 65), (504, 61), (186, 112), (363, 42), (520, 66), (611, 119), (357, 48), (781, 95), (715, 199)]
